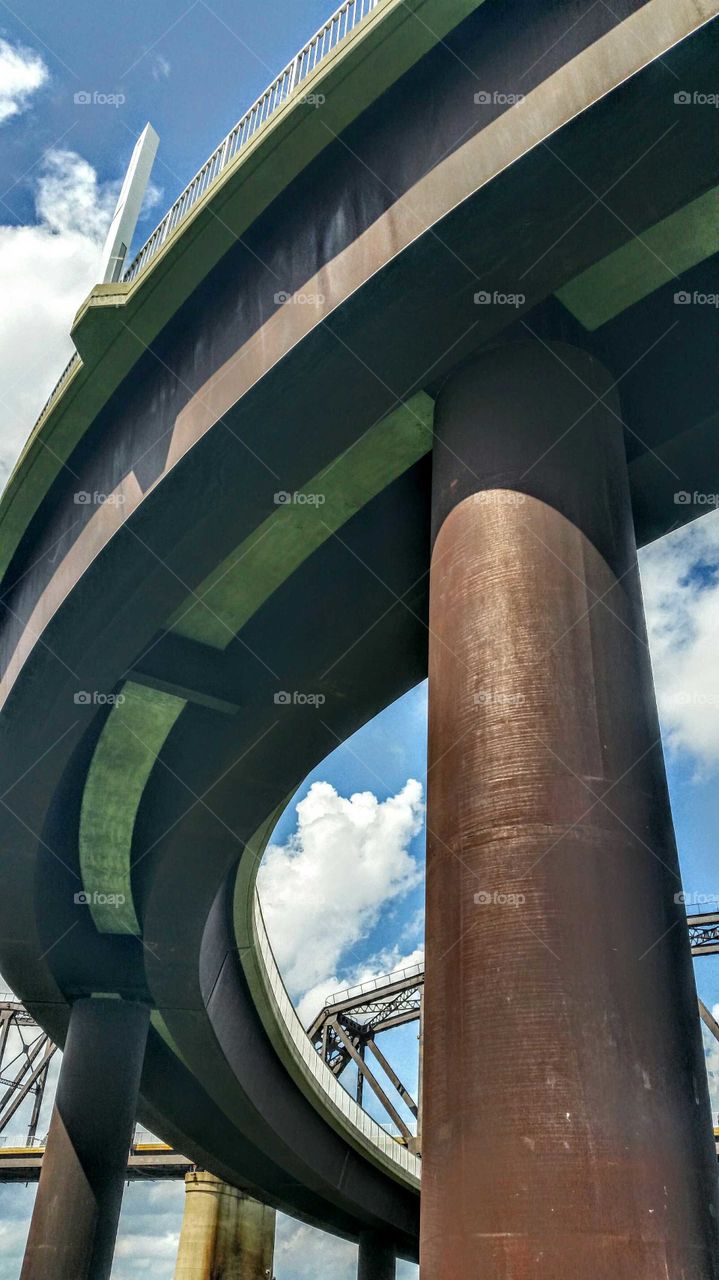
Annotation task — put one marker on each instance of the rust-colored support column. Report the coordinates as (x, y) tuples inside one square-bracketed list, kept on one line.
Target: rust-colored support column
[(566, 1128), (226, 1234), (74, 1222), (377, 1257)]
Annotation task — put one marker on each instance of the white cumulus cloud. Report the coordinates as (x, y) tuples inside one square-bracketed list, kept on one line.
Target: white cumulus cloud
[(46, 270), (69, 199), (324, 890), (22, 73), (680, 581), (303, 1253), (389, 960)]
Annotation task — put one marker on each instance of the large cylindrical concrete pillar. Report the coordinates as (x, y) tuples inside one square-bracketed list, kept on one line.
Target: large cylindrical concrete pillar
[(566, 1128), (376, 1257), (74, 1222), (226, 1234)]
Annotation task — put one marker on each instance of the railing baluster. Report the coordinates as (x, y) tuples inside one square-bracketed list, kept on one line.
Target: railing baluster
[(345, 19)]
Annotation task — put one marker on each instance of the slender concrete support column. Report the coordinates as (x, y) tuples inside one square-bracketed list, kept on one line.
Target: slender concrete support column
[(74, 1223), (377, 1257), (226, 1235), (566, 1127)]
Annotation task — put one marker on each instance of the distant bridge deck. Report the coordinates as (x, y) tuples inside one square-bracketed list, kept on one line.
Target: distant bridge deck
[(148, 1161)]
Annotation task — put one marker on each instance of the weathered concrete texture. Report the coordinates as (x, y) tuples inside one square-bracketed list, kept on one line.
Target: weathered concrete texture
[(74, 1222), (566, 1122), (226, 1235)]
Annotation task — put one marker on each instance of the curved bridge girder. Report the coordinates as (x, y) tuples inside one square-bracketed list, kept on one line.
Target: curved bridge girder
[(198, 596)]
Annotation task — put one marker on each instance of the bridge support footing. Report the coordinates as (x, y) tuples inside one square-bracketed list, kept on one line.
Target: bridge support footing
[(566, 1127), (74, 1222), (226, 1235), (377, 1257)]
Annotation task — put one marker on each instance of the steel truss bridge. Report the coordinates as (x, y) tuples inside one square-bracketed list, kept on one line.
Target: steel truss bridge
[(346, 1029), (344, 1032), (26, 1052), (704, 933), (245, 524)]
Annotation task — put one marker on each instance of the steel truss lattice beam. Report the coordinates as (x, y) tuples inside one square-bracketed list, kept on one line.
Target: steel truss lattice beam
[(25, 1055), (347, 1027)]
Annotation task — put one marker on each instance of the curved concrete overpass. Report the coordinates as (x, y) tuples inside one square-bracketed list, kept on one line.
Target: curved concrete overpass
[(216, 544)]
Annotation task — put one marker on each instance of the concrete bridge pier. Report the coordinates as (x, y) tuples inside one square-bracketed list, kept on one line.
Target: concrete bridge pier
[(377, 1257), (226, 1234), (74, 1222), (566, 1127)]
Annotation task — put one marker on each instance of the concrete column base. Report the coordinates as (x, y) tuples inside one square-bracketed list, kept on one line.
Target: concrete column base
[(226, 1234)]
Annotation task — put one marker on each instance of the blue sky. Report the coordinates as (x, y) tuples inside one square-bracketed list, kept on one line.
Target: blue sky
[(192, 70)]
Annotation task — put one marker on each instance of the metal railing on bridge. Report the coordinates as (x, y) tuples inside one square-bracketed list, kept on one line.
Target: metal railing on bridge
[(342, 1032), (381, 1136), (373, 984), (323, 42), (347, 1025), (339, 25), (345, 1032)]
